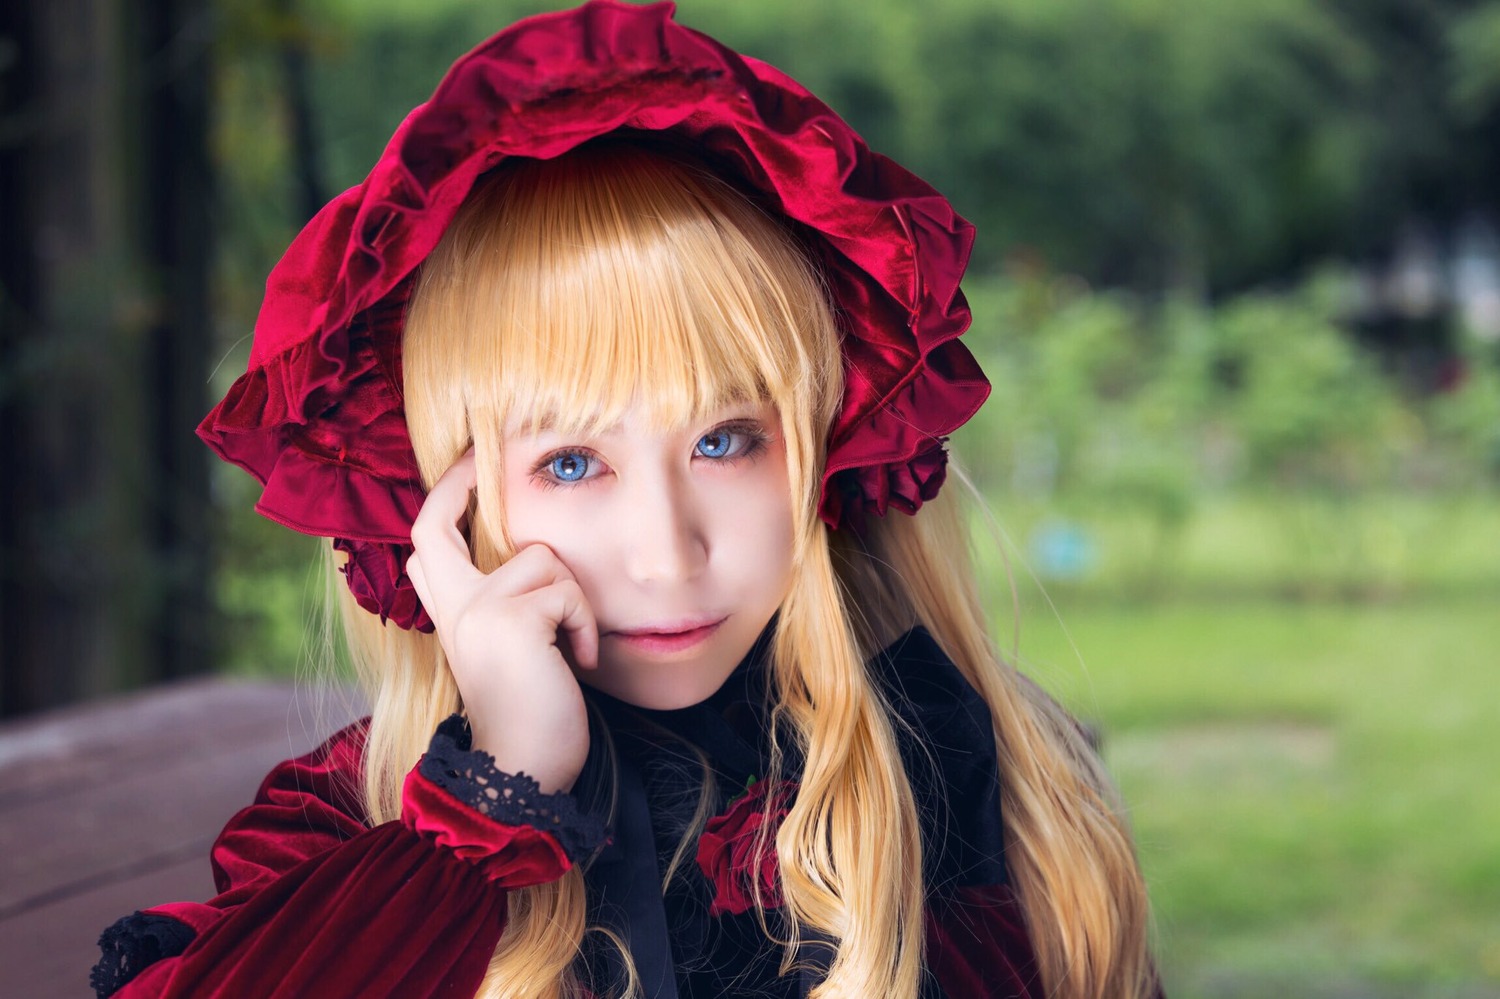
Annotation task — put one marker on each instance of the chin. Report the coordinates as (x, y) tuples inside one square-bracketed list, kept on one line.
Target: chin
[(657, 687)]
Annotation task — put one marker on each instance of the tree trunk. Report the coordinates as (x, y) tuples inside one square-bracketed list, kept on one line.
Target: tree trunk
[(177, 239), (103, 329)]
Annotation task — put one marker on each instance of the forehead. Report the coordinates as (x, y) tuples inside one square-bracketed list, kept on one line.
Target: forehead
[(629, 289), (638, 419)]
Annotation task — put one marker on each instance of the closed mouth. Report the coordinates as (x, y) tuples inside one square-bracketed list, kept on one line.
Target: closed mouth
[(669, 640)]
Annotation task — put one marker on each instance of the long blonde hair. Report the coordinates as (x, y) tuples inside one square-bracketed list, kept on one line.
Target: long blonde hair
[(561, 289)]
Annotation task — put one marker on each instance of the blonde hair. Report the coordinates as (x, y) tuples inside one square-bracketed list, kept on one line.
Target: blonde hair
[(710, 301)]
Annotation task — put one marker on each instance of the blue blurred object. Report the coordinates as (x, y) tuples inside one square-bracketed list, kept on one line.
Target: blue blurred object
[(1062, 550)]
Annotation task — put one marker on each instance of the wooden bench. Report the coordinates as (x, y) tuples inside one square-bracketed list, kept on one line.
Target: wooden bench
[(107, 808)]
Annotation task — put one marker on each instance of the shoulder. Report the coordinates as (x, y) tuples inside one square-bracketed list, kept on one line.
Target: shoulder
[(931, 696), (916, 666), (304, 806), (332, 772), (947, 744)]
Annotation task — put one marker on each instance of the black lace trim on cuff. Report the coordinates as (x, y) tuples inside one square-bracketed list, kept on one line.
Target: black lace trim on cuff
[(131, 945), (470, 775)]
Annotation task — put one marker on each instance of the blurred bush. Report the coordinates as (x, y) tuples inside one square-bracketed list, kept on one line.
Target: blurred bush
[(1144, 420)]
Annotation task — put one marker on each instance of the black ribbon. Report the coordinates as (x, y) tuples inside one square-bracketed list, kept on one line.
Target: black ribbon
[(628, 882)]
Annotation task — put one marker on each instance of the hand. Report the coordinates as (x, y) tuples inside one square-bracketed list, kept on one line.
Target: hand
[(500, 632)]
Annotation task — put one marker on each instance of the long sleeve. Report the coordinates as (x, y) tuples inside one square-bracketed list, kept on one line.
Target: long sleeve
[(312, 901)]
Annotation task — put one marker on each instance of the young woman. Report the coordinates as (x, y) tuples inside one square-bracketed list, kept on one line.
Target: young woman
[(621, 385)]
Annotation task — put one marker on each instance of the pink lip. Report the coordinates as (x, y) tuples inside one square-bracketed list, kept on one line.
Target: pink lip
[(664, 638)]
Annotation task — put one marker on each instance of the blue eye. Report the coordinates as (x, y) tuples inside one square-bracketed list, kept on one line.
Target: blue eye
[(569, 467), (715, 444)]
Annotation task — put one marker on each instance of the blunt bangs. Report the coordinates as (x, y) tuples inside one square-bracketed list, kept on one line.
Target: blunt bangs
[(614, 277)]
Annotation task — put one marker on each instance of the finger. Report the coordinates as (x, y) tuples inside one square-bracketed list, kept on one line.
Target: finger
[(531, 568), (435, 533), (418, 578), (448, 498), (564, 605)]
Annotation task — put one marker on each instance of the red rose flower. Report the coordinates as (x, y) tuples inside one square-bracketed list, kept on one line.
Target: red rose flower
[(377, 577), (870, 490), (728, 854)]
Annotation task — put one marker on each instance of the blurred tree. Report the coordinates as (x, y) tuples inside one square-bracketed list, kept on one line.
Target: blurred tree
[(1154, 143), (293, 36), (1424, 157), (172, 42), (103, 191), (1196, 145)]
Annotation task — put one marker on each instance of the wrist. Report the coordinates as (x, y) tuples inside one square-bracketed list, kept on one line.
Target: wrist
[(473, 783), (547, 757)]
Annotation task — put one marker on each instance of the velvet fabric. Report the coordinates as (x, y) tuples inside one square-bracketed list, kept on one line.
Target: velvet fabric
[(966, 929), (315, 902), (317, 417)]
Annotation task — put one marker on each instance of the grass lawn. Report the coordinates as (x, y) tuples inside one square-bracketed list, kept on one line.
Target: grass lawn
[(1314, 787)]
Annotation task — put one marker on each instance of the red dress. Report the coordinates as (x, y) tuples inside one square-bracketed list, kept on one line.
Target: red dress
[(315, 902)]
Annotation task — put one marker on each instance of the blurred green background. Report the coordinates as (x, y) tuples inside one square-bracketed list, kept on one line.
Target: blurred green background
[(1238, 289)]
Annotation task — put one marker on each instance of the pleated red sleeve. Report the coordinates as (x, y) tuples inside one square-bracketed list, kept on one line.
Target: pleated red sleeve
[(314, 902)]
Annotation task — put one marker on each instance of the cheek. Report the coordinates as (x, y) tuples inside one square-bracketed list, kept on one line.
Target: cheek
[(535, 516), (757, 534)]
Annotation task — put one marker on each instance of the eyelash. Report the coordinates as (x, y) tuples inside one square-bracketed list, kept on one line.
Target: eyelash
[(756, 440)]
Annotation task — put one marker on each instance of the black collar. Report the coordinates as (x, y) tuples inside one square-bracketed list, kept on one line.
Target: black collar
[(946, 744)]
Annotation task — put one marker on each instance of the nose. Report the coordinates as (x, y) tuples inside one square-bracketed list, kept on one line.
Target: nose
[(663, 530)]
